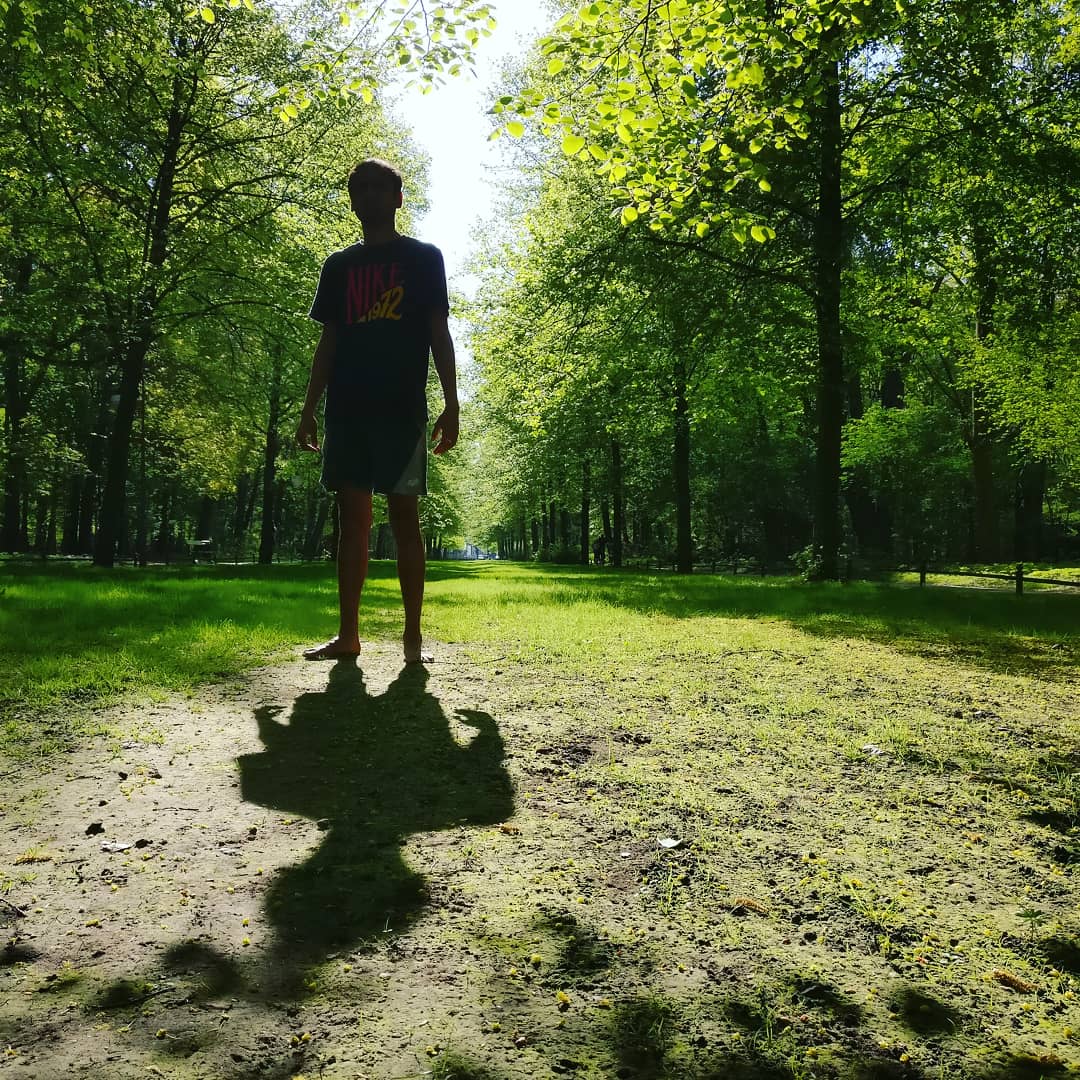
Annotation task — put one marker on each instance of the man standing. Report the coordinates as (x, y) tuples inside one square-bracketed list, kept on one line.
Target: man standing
[(383, 307)]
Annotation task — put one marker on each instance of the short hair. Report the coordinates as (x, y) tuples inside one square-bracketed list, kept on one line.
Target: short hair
[(392, 176)]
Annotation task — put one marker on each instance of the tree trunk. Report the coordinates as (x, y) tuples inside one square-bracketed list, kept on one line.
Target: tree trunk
[(15, 466), (586, 511), (270, 453), (619, 507), (50, 531), (985, 535), (164, 542), (316, 528), (113, 527), (684, 542), (71, 516), (143, 500), (829, 249), (112, 524)]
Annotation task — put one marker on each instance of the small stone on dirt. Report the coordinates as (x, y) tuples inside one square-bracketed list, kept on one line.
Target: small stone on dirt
[(94, 828)]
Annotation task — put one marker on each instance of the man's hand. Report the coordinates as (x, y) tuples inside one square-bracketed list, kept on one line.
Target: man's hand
[(307, 434), (445, 432)]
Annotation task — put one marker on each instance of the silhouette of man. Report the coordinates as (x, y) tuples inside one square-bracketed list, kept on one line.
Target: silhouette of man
[(383, 307)]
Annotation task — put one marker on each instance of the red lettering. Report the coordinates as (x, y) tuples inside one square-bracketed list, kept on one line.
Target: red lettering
[(355, 306)]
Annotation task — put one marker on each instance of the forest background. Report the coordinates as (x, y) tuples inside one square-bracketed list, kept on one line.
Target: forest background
[(770, 283)]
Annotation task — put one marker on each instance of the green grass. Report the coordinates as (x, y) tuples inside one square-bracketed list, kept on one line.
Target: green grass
[(75, 635)]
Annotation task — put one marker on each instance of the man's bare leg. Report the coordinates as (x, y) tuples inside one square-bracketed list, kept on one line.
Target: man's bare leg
[(354, 528), (404, 511)]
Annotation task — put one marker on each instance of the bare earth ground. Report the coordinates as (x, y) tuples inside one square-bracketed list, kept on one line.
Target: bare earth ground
[(364, 871)]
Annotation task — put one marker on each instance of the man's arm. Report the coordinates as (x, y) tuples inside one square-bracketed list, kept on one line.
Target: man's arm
[(307, 432), (445, 432)]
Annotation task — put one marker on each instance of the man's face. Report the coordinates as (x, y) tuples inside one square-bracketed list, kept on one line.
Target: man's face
[(375, 197)]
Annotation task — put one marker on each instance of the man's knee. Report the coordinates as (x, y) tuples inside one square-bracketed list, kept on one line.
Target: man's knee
[(404, 514), (354, 511)]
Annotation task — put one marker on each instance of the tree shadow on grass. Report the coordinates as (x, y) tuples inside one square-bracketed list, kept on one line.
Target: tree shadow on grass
[(372, 771), (993, 629)]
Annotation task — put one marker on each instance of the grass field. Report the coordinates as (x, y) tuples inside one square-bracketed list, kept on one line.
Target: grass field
[(71, 633), (870, 792)]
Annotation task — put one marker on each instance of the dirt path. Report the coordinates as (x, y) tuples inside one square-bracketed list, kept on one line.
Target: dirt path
[(183, 892)]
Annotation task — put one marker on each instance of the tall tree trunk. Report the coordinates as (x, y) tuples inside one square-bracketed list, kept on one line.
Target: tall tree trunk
[(985, 532), (586, 511), (684, 543), (619, 506), (14, 464), (112, 526), (316, 527), (50, 531), (95, 461), (164, 542), (143, 501), (239, 525), (71, 516), (829, 247), (270, 453)]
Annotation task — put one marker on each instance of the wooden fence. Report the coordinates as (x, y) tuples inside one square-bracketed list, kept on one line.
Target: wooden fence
[(1017, 576)]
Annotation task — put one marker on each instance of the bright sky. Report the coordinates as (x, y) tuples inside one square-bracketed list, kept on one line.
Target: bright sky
[(451, 125)]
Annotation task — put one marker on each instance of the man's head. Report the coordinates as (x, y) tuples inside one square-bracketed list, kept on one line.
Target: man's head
[(375, 191)]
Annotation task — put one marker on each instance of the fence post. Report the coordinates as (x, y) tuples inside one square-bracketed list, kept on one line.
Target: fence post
[(922, 573), (1019, 579)]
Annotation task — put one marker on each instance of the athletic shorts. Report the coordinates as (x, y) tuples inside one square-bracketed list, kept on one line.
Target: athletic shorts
[(372, 454)]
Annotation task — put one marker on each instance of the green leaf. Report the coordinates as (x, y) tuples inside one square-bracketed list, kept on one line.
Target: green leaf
[(573, 144), (754, 74), (515, 128), (629, 215), (207, 14), (555, 65), (764, 185)]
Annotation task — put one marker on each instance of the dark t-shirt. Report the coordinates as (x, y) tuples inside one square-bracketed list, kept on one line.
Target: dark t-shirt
[(380, 300)]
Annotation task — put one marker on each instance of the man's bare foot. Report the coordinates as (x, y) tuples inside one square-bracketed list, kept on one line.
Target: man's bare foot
[(334, 649), (416, 654)]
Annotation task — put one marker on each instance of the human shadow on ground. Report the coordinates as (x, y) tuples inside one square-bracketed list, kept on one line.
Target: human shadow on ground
[(372, 770)]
